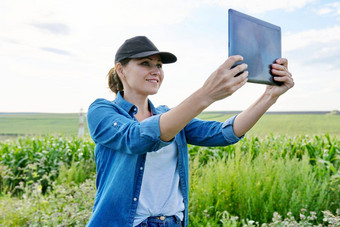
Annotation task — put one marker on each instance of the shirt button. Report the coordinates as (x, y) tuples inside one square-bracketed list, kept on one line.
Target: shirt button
[(141, 168), (115, 123), (162, 218), (135, 199)]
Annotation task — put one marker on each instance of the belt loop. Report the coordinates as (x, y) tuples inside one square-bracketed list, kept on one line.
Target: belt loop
[(178, 220)]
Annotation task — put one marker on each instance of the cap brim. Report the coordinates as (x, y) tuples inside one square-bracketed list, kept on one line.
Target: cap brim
[(166, 57)]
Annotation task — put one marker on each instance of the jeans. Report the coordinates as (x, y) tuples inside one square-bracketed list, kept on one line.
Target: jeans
[(171, 221)]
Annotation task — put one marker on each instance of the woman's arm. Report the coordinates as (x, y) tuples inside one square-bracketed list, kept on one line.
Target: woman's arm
[(112, 127), (247, 119), (221, 84)]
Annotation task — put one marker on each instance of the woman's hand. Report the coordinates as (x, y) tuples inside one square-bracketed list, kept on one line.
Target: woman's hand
[(248, 118), (222, 82), (280, 70)]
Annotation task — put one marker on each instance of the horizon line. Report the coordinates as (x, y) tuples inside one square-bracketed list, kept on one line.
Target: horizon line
[(208, 111)]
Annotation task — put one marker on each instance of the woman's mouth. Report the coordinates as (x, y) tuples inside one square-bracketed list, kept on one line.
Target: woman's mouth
[(154, 81)]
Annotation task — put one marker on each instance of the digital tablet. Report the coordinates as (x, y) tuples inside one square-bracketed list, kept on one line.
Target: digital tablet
[(258, 41)]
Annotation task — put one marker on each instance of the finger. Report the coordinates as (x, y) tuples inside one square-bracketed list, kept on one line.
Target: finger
[(281, 73), (242, 80), (281, 78), (239, 81), (243, 76), (231, 61), (235, 83), (239, 68), (282, 61), (279, 67), (286, 80)]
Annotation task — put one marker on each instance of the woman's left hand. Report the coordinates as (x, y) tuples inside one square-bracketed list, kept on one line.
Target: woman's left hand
[(280, 70), (248, 118)]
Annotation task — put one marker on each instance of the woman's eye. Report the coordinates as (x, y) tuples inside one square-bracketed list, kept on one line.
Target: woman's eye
[(145, 63)]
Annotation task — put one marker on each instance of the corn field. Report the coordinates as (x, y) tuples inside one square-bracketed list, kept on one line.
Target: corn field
[(275, 181)]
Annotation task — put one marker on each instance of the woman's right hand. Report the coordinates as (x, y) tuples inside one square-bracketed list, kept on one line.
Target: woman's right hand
[(222, 82)]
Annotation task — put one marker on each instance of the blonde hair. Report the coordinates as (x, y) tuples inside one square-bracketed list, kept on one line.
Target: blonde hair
[(114, 82)]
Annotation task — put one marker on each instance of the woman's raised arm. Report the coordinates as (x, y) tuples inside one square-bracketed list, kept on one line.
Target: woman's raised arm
[(221, 84), (248, 118)]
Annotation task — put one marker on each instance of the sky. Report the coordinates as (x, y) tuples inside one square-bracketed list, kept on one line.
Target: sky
[(55, 55)]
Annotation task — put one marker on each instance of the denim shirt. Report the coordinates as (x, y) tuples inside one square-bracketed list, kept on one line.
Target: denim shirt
[(120, 152)]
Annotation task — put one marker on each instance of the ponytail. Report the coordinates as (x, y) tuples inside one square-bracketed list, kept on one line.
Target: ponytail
[(115, 84)]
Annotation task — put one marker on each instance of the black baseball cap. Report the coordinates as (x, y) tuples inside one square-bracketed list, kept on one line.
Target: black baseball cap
[(139, 47)]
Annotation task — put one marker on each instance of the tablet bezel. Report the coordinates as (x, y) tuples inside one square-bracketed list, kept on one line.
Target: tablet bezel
[(258, 72)]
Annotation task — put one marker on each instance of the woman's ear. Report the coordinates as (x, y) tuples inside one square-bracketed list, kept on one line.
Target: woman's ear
[(120, 71)]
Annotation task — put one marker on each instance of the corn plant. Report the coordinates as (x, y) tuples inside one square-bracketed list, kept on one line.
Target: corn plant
[(29, 160)]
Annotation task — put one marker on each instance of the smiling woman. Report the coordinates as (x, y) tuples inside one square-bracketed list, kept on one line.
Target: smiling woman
[(141, 77), (141, 151)]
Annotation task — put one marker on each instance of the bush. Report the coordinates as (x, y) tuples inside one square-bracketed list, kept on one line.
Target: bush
[(66, 205), (253, 188)]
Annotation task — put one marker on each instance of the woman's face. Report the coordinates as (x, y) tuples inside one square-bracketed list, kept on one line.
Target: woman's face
[(143, 76)]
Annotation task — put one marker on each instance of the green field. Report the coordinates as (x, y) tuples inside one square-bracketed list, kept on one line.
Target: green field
[(285, 172), (288, 124), (39, 124), (50, 181), (276, 124)]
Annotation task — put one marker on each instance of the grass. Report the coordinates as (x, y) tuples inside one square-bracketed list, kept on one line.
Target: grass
[(66, 205), (276, 124), (289, 177), (253, 189), (39, 124), (297, 125), (253, 181), (288, 124)]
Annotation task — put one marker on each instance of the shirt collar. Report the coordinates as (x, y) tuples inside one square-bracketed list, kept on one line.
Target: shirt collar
[(127, 106)]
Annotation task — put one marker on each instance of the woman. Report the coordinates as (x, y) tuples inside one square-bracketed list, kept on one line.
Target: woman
[(141, 151)]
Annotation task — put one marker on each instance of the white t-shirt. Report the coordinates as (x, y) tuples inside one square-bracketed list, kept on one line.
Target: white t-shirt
[(160, 193)]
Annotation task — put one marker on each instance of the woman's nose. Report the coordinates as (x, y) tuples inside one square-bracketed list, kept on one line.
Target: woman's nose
[(156, 71)]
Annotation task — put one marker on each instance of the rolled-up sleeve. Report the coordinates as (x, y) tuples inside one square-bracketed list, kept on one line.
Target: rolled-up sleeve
[(211, 133), (149, 128), (112, 128), (228, 131)]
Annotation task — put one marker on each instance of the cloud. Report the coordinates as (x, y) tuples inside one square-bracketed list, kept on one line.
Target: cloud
[(261, 6), (81, 44), (56, 51), (55, 28), (301, 40), (310, 50), (9, 40), (332, 9), (150, 13)]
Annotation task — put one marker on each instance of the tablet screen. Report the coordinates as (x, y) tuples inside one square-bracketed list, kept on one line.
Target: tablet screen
[(259, 43)]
